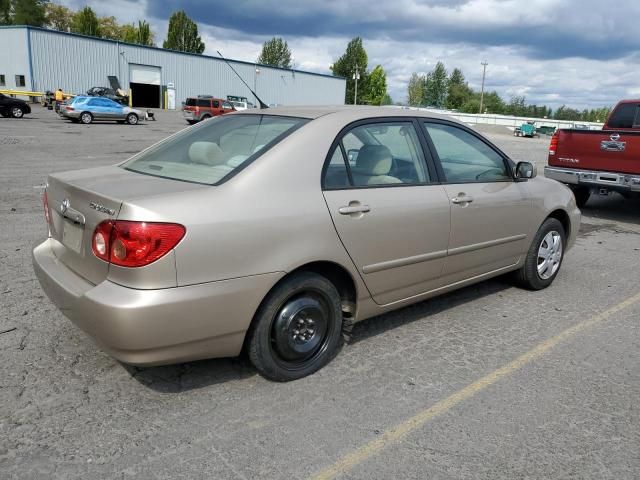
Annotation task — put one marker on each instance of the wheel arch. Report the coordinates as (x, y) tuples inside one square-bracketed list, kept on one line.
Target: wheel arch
[(332, 271), (563, 217)]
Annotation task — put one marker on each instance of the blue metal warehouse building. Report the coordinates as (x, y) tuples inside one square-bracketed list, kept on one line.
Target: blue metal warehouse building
[(35, 59)]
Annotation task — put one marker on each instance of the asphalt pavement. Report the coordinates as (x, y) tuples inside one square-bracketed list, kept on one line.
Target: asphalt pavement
[(488, 382)]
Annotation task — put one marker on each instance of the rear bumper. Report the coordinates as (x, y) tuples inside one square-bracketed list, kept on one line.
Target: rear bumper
[(154, 327), (619, 182)]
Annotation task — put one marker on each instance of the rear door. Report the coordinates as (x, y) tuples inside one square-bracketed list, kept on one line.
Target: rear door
[(390, 214), (490, 212)]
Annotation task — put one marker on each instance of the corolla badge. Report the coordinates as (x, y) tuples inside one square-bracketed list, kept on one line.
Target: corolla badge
[(64, 206), (101, 208)]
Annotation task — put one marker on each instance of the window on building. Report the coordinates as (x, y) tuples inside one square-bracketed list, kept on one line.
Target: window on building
[(3, 82), (20, 81)]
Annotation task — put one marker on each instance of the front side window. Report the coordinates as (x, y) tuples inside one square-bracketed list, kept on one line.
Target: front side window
[(378, 154), (216, 104), (464, 157), (214, 150)]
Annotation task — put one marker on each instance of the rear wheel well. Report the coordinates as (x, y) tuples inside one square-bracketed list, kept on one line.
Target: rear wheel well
[(341, 279), (563, 218)]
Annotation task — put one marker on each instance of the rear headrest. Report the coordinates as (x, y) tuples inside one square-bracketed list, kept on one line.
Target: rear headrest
[(374, 160), (207, 153)]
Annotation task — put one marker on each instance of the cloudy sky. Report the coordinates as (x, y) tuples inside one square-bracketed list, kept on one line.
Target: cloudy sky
[(583, 53)]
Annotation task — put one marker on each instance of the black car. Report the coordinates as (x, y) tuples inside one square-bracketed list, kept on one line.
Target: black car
[(13, 107)]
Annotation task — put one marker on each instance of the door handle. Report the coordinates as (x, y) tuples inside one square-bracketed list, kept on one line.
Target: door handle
[(462, 199), (355, 208)]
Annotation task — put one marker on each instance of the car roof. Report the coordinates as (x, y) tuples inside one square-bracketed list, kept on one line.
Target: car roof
[(347, 111)]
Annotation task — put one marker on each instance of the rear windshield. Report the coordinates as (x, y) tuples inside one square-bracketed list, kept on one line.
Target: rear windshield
[(214, 149)]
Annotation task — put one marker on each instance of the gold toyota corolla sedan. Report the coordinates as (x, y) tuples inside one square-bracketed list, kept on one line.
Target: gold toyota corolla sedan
[(274, 230)]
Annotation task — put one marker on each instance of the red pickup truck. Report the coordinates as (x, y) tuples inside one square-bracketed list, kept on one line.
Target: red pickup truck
[(602, 161)]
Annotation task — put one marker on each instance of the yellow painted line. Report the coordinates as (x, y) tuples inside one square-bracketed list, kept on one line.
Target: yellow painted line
[(397, 433)]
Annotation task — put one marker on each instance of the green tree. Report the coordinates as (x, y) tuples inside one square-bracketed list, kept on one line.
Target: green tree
[(5, 12), (458, 91), (109, 28), (355, 57), (275, 52), (517, 106), (415, 90), (387, 100), (435, 86), (29, 12), (144, 34), (129, 33), (59, 17), (183, 34), (376, 86), (85, 22)]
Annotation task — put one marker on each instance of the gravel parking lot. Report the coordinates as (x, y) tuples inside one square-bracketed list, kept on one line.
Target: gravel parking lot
[(488, 382)]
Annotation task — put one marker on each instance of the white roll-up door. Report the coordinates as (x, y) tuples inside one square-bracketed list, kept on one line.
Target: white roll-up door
[(147, 74)]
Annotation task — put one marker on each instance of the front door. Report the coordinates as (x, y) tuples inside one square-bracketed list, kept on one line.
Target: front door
[(489, 209), (392, 220)]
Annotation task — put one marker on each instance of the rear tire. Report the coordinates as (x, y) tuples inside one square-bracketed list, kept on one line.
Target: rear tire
[(205, 117), (582, 195), (132, 119), (297, 329), (544, 258), (86, 118), (191, 122)]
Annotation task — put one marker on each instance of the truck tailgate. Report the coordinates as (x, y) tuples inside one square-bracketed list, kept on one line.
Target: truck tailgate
[(601, 150)]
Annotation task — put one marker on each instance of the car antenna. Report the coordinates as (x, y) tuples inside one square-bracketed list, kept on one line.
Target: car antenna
[(262, 104)]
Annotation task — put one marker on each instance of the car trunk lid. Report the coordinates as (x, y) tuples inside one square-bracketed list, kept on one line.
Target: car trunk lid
[(78, 201)]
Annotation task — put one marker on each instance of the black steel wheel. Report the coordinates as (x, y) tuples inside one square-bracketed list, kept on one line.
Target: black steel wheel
[(298, 328)]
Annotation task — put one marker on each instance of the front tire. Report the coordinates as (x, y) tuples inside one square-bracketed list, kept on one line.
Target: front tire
[(297, 329), (86, 118), (17, 112), (544, 258)]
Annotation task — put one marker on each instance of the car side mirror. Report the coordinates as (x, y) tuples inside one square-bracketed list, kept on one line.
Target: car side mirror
[(526, 170)]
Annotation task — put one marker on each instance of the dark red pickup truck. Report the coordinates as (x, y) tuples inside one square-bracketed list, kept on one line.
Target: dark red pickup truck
[(601, 161)]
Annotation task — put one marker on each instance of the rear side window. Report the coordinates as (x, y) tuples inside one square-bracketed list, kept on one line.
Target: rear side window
[(377, 154), (214, 150), (623, 116), (190, 102), (204, 102), (464, 157)]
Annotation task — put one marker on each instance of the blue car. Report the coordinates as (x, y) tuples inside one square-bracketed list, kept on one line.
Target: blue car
[(86, 109)]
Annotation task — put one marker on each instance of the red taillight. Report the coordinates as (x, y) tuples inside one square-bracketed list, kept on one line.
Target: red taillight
[(45, 204), (134, 244), (553, 146), (69, 108)]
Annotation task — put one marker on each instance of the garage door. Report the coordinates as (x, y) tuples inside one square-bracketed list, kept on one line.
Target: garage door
[(145, 84), (144, 74)]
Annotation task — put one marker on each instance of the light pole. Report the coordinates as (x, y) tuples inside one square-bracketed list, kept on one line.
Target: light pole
[(255, 77), (484, 71), (356, 77)]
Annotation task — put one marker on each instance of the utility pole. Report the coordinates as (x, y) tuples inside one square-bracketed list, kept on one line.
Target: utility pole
[(356, 77), (484, 71)]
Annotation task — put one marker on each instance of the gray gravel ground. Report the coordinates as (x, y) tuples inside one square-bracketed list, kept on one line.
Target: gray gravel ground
[(69, 411)]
